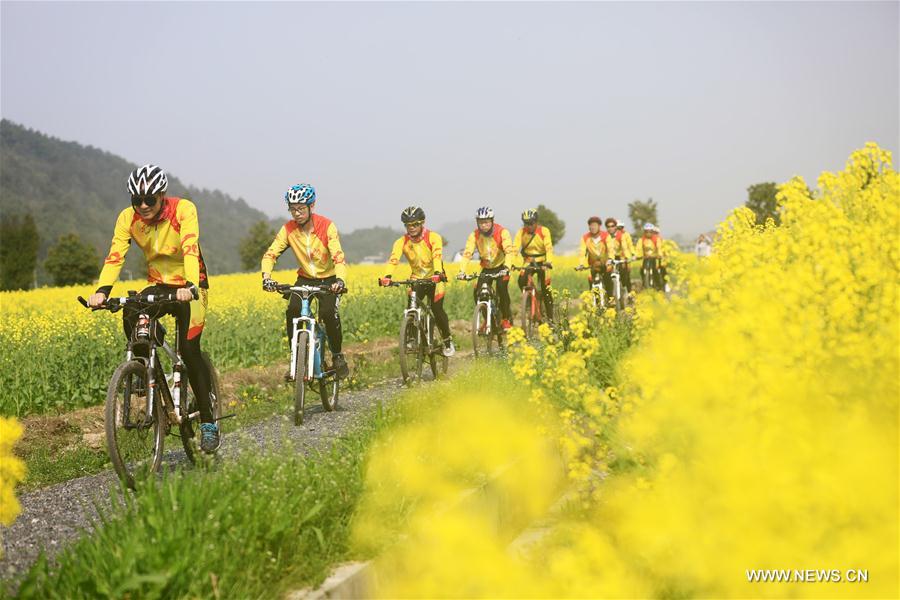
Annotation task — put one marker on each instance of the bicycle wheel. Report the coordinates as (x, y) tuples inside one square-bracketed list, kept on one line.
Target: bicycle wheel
[(328, 386), (482, 337), (436, 359), (527, 317), (300, 379), (411, 351), (190, 435), (134, 438)]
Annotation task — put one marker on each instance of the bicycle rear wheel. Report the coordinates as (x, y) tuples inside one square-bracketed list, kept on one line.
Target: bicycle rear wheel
[(300, 379), (328, 386), (436, 359), (134, 438), (190, 434), (482, 337)]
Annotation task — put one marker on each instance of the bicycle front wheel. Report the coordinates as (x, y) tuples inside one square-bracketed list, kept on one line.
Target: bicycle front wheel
[(482, 337), (134, 431), (410, 350), (527, 316), (300, 379)]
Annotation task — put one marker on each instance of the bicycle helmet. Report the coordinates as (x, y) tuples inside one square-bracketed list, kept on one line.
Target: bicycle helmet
[(147, 181), (610, 220), (411, 214), (596, 220), (656, 229), (529, 216), (620, 223), (648, 226), (485, 212), (302, 193)]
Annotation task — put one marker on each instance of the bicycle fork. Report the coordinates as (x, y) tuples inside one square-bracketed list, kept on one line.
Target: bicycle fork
[(309, 326)]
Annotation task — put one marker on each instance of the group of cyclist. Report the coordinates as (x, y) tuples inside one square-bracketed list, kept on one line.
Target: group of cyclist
[(166, 229)]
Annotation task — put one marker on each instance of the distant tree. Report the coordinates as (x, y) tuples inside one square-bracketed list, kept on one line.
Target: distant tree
[(72, 261), (761, 200), (254, 245), (19, 243), (551, 221), (641, 212)]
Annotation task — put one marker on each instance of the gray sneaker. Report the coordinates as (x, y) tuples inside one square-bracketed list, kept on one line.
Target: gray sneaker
[(449, 348)]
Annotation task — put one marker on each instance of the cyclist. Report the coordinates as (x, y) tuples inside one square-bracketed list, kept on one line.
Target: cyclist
[(651, 246), (535, 244), (662, 259), (495, 250), (317, 246), (166, 229), (624, 248), (424, 249), (596, 249)]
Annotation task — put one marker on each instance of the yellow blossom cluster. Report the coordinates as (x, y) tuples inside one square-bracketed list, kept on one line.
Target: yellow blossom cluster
[(12, 471)]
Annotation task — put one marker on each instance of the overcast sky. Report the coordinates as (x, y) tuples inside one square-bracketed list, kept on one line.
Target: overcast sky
[(580, 106)]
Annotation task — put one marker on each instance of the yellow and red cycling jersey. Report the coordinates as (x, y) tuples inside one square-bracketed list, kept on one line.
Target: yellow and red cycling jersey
[(651, 247), (318, 251), (534, 247), (623, 244), (495, 249), (595, 250), (425, 257), (171, 245)]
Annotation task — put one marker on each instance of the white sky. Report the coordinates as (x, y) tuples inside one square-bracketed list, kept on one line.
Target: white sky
[(580, 106)]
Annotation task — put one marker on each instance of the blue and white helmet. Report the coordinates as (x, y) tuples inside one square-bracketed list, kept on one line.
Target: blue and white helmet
[(302, 193), (485, 212), (648, 227), (147, 181)]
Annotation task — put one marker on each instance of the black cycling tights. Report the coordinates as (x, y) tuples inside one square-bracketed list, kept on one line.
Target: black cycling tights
[(197, 372)]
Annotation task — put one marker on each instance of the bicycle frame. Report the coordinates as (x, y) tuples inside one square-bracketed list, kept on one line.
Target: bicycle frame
[(422, 316), (307, 322)]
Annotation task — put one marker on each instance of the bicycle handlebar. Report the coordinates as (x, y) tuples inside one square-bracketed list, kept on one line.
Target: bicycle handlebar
[(114, 304), (533, 267), (325, 288), (497, 275), (398, 283)]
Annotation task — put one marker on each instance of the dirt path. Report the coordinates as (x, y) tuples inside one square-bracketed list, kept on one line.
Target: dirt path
[(54, 516)]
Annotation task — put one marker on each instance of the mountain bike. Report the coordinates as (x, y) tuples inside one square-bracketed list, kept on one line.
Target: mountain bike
[(532, 299), (486, 328), (141, 407), (419, 338), (650, 275), (309, 368)]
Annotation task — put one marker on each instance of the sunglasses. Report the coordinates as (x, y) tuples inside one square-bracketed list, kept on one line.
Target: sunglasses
[(415, 223), (296, 209), (148, 201)]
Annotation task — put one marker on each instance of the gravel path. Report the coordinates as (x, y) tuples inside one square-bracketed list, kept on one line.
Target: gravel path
[(55, 516)]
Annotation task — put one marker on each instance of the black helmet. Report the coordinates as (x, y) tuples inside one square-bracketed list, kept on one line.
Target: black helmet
[(411, 214)]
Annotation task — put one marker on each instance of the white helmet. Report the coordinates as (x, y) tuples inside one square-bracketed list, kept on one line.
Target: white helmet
[(648, 227), (485, 212), (147, 181)]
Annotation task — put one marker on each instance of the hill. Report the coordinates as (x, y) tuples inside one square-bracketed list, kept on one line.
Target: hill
[(71, 188)]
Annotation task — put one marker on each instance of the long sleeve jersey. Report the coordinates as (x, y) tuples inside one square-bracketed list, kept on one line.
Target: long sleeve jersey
[(595, 250), (425, 256), (534, 247), (170, 242), (495, 249), (651, 247), (318, 251), (623, 244)]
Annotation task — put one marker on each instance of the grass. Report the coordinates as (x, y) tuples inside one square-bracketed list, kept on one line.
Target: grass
[(253, 527)]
